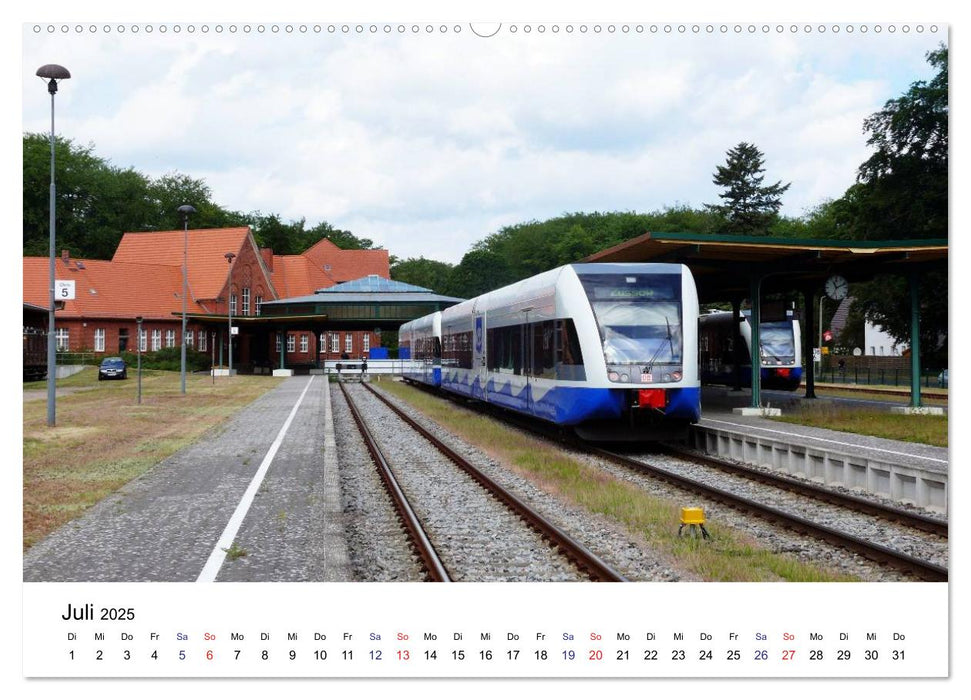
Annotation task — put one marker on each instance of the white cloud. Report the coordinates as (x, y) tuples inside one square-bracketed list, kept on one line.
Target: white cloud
[(428, 143)]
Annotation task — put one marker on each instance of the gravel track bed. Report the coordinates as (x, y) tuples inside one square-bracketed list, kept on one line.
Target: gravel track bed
[(901, 538), (611, 542), (476, 537), (377, 545), (775, 538)]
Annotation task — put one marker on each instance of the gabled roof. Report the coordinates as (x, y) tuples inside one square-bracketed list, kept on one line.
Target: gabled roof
[(324, 265), (108, 289), (206, 251)]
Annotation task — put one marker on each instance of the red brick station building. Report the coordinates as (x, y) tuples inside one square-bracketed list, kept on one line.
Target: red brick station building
[(144, 279)]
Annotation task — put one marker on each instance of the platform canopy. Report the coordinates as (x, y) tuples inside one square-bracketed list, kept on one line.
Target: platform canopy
[(366, 303), (733, 268), (723, 265)]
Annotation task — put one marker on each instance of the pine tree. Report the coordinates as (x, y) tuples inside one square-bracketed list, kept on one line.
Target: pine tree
[(749, 207)]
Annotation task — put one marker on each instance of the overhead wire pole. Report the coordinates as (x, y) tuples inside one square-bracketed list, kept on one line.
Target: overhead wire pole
[(185, 210), (52, 73), (229, 306)]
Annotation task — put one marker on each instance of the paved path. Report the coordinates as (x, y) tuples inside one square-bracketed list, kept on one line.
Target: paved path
[(165, 525)]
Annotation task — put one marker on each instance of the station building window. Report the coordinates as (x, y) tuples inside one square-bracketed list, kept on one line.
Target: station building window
[(170, 338), (335, 342), (99, 339), (245, 301), (143, 340), (304, 342), (202, 341), (348, 343), (156, 339), (63, 339), (190, 338), (291, 342), (232, 303), (367, 342), (259, 304)]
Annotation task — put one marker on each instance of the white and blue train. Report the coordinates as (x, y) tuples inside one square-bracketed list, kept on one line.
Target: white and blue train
[(421, 342), (781, 345), (608, 349)]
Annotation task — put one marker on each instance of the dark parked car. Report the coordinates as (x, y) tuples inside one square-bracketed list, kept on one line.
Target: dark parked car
[(112, 368)]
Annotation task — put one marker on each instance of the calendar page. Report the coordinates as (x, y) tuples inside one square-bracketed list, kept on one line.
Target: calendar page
[(250, 185)]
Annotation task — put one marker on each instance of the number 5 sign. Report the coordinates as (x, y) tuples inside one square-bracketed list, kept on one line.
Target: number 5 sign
[(63, 290)]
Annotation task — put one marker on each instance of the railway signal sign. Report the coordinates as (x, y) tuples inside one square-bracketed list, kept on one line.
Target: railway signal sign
[(64, 290)]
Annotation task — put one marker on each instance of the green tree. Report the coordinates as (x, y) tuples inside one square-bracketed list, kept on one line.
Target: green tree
[(900, 194), (423, 272), (749, 208), (479, 272), (902, 191)]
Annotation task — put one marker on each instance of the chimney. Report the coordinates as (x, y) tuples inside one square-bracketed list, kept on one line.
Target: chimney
[(267, 254), (66, 257)]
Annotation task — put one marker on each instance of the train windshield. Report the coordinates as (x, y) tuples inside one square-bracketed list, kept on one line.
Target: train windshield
[(639, 316), (777, 341)]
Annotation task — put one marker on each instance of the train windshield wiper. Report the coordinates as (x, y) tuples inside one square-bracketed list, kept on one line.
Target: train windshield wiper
[(670, 339)]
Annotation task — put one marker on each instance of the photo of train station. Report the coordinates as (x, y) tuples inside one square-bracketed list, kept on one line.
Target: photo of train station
[(385, 306)]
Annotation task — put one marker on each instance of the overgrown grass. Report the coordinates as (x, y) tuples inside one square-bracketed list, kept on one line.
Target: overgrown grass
[(931, 396), (103, 439), (729, 556), (930, 430)]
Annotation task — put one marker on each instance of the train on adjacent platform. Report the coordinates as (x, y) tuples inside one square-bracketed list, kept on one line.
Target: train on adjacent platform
[(607, 349), (720, 356)]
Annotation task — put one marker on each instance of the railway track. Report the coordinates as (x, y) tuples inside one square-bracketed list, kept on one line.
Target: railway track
[(579, 555), (885, 556)]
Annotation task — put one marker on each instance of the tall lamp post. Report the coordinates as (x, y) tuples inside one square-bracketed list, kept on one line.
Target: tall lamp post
[(52, 73), (138, 341), (185, 210), (229, 305)]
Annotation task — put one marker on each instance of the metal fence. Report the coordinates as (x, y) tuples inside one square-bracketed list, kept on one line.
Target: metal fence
[(880, 376)]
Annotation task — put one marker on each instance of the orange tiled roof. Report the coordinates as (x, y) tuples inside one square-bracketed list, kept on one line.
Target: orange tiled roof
[(108, 289), (207, 247), (324, 265)]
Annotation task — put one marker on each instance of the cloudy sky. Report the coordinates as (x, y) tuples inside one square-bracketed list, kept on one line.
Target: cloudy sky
[(426, 141)]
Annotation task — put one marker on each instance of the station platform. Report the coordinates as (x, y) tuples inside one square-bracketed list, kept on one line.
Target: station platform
[(902, 471), (266, 479)]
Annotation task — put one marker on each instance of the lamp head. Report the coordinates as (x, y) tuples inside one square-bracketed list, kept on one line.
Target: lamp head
[(52, 73)]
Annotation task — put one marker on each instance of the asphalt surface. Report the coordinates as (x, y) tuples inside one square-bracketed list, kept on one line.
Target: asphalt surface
[(164, 525)]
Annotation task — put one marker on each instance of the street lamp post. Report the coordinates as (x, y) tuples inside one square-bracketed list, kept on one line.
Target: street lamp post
[(229, 305), (185, 210), (138, 344), (52, 73)]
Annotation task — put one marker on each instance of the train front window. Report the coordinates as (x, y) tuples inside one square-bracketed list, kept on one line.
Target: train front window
[(639, 317), (776, 341)]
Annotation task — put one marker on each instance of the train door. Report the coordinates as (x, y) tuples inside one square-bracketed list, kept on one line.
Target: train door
[(478, 377)]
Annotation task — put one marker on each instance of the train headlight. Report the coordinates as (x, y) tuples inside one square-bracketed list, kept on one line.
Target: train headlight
[(613, 376), (676, 376), (624, 378), (667, 376)]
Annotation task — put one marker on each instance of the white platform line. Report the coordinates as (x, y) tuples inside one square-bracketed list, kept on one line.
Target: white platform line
[(218, 556), (835, 442)]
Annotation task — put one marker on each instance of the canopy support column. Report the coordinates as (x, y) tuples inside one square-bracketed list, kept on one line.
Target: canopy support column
[(754, 322), (809, 364), (914, 280)]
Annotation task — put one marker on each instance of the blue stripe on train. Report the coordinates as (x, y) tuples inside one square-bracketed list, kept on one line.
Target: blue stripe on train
[(569, 405)]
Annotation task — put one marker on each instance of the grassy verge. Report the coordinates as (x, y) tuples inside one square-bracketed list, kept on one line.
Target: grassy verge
[(729, 556), (930, 396), (104, 439), (930, 430)]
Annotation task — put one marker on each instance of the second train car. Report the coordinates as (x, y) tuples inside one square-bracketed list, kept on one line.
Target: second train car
[(781, 345), (608, 349)]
